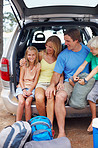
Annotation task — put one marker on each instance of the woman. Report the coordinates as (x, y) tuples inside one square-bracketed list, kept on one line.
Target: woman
[(47, 59)]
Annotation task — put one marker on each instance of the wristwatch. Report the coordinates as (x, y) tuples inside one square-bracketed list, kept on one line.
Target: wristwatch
[(85, 81)]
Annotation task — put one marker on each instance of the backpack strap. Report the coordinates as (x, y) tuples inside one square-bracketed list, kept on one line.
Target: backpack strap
[(41, 131), (19, 137), (9, 136)]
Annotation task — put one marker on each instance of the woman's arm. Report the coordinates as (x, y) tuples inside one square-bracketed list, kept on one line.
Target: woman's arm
[(22, 62), (40, 55)]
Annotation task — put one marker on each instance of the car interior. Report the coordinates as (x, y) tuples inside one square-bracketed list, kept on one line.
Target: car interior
[(37, 34)]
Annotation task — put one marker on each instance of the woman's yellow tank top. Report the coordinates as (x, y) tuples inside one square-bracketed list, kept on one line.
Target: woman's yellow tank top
[(46, 71)]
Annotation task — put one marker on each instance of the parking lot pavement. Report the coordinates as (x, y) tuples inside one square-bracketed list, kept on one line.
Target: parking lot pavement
[(76, 132), (5, 117), (75, 128)]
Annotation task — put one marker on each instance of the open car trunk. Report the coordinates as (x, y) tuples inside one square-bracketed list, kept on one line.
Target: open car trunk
[(36, 34)]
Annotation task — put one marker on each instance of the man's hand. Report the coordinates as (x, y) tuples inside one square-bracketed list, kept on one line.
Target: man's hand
[(75, 78), (60, 86), (49, 91)]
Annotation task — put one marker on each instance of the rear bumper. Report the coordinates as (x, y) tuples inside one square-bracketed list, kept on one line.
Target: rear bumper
[(11, 106), (7, 99)]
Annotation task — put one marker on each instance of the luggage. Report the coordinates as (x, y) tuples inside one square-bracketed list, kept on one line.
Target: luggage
[(41, 128), (16, 135), (78, 98), (62, 142)]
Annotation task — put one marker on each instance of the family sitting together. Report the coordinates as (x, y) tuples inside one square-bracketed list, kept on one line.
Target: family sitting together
[(45, 76)]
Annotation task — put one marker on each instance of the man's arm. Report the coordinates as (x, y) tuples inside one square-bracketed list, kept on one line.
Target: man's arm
[(54, 81), (55, 78), (60, 85)]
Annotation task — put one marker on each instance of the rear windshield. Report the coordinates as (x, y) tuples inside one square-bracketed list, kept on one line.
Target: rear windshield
[(41, 3)]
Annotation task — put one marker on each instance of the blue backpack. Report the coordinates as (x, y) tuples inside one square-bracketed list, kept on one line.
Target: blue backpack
[(41, 128)]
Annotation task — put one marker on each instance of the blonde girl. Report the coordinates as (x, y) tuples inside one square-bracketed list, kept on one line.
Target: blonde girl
[(29, 74)]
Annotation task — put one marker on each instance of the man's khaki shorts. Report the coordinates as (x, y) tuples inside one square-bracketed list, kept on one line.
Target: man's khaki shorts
[(68, 88)]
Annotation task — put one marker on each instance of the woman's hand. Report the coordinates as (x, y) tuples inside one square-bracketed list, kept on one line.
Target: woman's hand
[(22, 62)]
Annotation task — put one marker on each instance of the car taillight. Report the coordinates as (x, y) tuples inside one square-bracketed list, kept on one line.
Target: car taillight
[(5, 69)]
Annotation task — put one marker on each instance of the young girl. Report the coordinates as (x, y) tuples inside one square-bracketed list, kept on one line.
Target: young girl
[(29, 74), (93, 58)]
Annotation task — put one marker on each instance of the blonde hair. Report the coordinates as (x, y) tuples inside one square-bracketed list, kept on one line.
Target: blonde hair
[(93, 43), (31, 48), (56, 44)]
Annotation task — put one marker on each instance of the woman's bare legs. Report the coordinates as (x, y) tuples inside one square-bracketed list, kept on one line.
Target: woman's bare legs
[(20, 108), (28, 102), (40, 101), (50, 109), (93, 111)]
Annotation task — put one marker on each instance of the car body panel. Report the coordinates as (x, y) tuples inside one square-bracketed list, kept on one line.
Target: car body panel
[(53, 18), (52, 11)]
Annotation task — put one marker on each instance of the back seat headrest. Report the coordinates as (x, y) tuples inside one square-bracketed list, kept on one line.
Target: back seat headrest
[(39, 37)]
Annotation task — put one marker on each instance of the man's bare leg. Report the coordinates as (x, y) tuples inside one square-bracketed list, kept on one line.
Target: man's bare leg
[(60, 112)]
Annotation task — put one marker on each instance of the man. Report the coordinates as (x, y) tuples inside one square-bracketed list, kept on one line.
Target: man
[(68, 62)]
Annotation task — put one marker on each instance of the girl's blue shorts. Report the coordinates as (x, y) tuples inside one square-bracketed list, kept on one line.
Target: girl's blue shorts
[(19, 91)]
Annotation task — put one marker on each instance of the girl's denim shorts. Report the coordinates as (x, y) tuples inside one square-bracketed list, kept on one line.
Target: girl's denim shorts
[(19, 91)]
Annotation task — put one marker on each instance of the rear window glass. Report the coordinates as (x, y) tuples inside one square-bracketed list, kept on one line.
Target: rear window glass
[(41, 3)]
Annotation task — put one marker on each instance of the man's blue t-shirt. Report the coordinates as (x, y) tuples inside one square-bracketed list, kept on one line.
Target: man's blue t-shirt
[(69, 61)]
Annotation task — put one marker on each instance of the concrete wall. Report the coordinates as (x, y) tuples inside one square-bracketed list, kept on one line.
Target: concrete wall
[(1, 27)]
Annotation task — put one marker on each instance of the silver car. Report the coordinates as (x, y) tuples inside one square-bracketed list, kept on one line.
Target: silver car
[(37, 20)]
